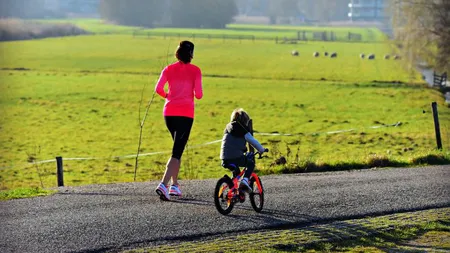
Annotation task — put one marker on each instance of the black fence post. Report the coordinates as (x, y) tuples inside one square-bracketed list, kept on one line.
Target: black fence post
[(59, 171), (436, 125)]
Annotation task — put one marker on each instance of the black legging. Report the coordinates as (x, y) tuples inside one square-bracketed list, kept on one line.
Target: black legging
[(180, 128)]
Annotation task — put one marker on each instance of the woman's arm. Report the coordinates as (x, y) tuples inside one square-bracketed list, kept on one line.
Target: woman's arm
[(159, 88), (198, 89)]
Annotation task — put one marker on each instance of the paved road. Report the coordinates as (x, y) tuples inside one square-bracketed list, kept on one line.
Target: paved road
[(122, 216)]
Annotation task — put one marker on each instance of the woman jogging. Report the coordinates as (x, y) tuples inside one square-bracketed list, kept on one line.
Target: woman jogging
[(184, 82)]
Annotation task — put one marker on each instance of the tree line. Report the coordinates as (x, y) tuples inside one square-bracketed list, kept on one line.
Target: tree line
[(175, 13), (422, 31)]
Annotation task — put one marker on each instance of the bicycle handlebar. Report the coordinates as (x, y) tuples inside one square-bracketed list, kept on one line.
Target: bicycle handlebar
[(260, 155)]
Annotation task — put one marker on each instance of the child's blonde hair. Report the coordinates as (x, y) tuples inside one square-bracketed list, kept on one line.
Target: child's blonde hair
[(240, 116)]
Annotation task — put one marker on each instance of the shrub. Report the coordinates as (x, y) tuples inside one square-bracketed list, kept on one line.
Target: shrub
[(16, 29), (431, 159)]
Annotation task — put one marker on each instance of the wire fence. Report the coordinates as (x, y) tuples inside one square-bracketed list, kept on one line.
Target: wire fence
[(214, 142)]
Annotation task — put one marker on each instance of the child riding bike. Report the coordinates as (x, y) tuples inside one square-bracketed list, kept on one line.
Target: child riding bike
[(232, 152)]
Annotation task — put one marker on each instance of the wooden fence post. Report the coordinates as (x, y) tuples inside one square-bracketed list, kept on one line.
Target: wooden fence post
[(59, 171), (436, 125)]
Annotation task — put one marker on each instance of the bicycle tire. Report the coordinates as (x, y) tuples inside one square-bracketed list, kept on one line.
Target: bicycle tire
[(256, 193), (223, 183)]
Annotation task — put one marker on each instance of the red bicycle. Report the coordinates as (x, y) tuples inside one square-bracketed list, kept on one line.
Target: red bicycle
[(227, 192)]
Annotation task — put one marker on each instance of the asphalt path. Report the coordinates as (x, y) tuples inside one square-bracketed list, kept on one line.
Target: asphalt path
[(114, 217)]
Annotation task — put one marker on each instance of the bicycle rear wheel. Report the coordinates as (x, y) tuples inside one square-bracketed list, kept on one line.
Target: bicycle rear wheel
[(223, 204), (257, 194)]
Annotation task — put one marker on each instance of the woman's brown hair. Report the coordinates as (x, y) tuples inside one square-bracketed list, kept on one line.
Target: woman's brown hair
[(185, 51)]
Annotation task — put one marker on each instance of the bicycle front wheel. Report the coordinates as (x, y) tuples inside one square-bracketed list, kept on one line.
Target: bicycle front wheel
[(257, 194), (223, 203)]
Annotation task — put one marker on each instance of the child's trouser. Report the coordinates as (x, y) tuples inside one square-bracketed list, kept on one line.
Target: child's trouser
[(243, 161)]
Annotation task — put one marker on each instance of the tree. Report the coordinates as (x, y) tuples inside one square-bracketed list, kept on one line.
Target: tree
[(132, 12), (202, 13), (422, 29), (283, 8)]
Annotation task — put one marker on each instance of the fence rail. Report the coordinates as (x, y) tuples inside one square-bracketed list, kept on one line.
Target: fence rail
[(301, 35), (439, 80), (196, 35)]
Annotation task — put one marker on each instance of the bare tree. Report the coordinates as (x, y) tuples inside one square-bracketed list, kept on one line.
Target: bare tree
[(422, 30)]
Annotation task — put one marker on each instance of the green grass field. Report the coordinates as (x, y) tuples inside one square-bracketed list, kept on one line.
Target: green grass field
[(248, 60), (79, 97)]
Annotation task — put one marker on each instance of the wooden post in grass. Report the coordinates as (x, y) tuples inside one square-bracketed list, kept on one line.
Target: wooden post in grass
[(436, 125), (59, 171)]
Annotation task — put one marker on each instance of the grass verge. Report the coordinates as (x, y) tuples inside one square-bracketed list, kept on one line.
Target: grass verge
[(421, 231), (21, 193)]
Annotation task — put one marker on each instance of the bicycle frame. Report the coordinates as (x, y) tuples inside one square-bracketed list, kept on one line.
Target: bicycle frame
[(234, 191)]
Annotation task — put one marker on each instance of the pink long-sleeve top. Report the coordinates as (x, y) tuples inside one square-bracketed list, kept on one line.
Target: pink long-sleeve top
[(185, 82)]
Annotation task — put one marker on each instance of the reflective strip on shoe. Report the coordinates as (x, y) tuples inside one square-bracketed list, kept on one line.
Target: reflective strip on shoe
[(161, 190)]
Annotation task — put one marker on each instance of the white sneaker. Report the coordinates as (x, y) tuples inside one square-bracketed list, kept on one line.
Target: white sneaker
[(162, 192), (175, 191), (244, 186)]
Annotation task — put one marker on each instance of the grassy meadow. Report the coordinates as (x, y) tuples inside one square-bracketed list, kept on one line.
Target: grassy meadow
[(84, 96)]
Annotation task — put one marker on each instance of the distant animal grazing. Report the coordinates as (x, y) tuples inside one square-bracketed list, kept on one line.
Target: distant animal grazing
[(396, 57), (316, 54), (386, 57), (326, 54), (294, 53), (362, 56), (371, 57), (333, 55)]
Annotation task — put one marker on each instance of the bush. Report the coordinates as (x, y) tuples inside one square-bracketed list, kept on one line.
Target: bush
[(16, 29), (431, 159)]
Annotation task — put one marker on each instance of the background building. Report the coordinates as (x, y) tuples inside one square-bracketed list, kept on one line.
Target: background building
[(367, 10)]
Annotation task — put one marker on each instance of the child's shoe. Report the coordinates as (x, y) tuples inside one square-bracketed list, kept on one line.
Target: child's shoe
[(175, 190), (162, 192), (244, 186)]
